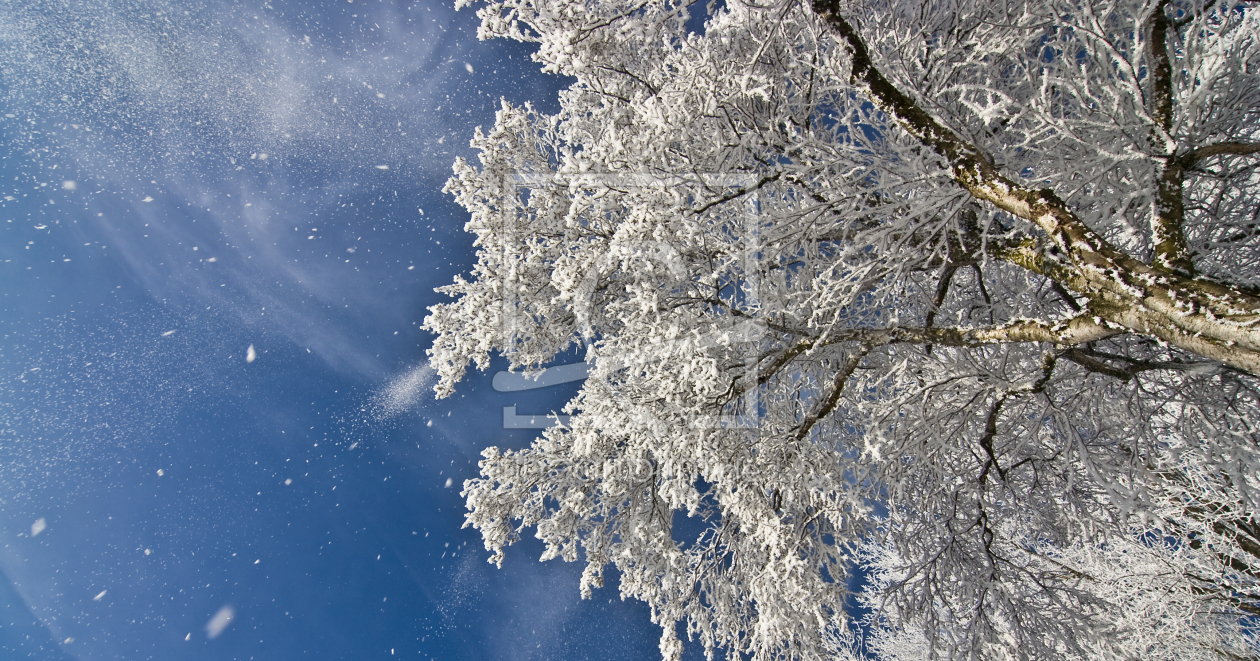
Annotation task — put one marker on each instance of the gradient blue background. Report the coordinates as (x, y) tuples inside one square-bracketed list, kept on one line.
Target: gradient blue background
[(252, 133)]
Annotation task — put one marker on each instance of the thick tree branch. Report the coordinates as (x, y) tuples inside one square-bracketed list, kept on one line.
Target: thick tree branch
[(1195, 314), (1069, 332), (1169, 213), (1221, 149)]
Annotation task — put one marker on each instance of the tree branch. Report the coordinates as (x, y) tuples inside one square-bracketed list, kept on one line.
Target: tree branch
[(990, 425), (739, 193), (942, 289), (833, 397), (1221, 149), (624, 72), (1095, 361), (1193, 313), (1076, 330), (1169, 213)]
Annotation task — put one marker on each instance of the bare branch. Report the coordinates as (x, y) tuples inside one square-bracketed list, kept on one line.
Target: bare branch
[(1221, 149)]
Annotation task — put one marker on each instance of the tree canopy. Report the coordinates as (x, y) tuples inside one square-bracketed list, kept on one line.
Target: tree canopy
[(956, 300)]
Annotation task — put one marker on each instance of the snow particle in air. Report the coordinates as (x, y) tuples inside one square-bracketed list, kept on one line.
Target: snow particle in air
[(69, 185), (449, 481), (220, 621), (250, 354), (99, 596), (160, 473), (403, 392), (469, 67), (38, 527), (288, 481)]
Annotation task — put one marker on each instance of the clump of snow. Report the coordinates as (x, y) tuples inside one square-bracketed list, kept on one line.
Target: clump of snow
[(38, 527), (220, 621), (250, 354)]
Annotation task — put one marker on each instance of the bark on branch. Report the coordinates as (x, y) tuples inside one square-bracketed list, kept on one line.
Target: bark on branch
[(1169, 213)]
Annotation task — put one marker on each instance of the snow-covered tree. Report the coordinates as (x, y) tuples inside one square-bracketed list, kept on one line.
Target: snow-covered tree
[(962, 296)]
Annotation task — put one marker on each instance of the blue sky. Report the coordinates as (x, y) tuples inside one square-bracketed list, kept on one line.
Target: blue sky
[(181, 183)]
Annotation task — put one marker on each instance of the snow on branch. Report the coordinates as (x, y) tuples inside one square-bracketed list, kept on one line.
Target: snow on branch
[(947, 310)]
